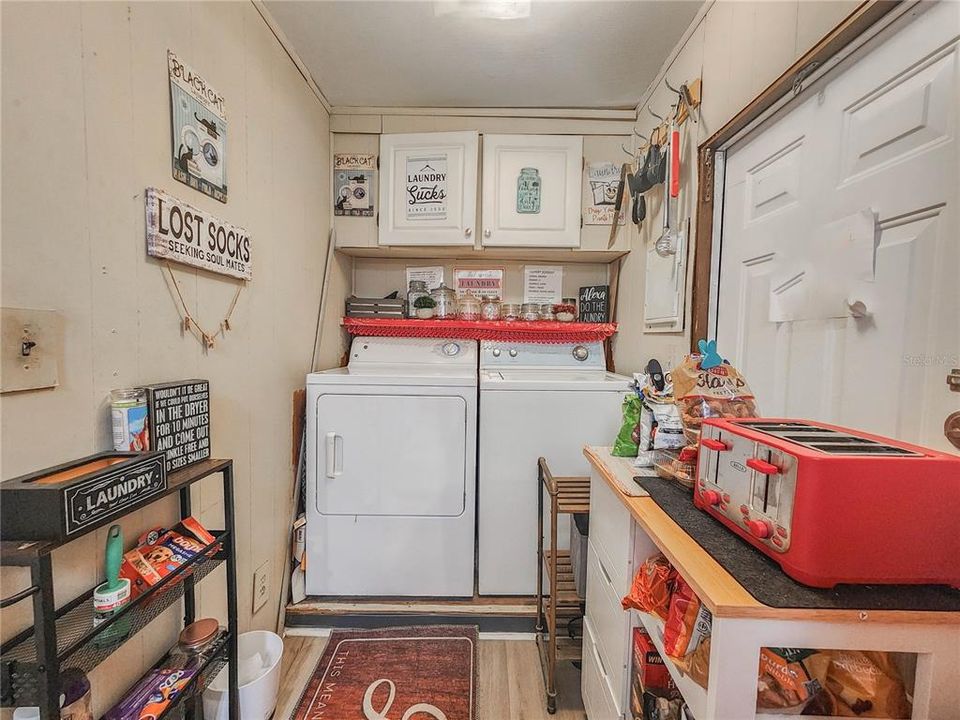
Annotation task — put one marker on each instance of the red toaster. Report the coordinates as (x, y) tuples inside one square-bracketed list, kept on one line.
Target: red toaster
[(833, 505)]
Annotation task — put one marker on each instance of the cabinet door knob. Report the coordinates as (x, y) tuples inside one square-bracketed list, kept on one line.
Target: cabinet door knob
[(486, 233), (468, 232)]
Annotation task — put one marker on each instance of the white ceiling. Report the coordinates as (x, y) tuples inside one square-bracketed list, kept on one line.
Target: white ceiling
[(566, 54)]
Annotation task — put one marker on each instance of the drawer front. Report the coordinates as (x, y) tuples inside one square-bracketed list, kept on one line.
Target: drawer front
[(611, 625), (610, 530), (595, 687)]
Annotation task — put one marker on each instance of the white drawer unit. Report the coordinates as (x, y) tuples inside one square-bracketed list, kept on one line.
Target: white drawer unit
[(610, 622), (611, 530), (595, 687)]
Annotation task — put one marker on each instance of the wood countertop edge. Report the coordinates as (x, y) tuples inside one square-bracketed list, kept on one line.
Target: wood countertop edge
[(718, 590)]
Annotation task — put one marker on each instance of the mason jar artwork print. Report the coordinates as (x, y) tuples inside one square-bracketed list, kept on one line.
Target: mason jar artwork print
[(528, 191)]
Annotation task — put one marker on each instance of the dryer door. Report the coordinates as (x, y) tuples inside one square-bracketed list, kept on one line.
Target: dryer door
[(397, 455)]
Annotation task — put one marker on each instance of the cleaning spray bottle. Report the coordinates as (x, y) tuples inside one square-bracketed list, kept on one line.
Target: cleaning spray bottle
[(110, 597)]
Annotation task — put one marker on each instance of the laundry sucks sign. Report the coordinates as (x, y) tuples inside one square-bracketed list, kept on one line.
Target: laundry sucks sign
[(182, 233)]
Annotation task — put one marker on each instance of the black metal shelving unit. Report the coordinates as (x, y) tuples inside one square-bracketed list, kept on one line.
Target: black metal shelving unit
[(31, 662)]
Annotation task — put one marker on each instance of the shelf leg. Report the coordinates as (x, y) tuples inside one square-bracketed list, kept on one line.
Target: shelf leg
[(539, 547), (189, 601), (232, 652), (45, 636)]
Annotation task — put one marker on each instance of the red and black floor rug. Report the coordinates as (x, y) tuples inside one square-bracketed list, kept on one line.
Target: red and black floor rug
[(417, 673)]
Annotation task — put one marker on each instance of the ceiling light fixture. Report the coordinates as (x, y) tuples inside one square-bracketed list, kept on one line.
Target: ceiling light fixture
[(489, 9)]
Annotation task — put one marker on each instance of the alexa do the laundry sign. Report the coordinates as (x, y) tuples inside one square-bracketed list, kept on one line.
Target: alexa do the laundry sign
[(182, 233)]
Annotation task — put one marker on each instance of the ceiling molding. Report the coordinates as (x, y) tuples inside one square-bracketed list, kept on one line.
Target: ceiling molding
[(291, 53), (564, 113), (678, 48)]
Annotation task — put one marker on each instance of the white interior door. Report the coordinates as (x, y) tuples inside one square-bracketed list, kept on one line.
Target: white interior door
[(531, 190), (428, 188), (839, 266), (393, 455)]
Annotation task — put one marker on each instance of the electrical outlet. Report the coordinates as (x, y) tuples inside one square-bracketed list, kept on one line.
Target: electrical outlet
[(261, 577)]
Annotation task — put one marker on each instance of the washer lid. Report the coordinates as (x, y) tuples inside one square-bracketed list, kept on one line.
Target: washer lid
[(415, 375), (560, 380)]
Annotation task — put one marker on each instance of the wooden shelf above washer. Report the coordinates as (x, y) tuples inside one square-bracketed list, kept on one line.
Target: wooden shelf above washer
[(468, 252)]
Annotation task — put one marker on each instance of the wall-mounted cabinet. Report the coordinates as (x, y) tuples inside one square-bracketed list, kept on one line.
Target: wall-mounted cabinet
[(531, 190), (428, 188)]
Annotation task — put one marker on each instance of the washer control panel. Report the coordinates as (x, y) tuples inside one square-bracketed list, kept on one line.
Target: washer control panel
[(495, 354)]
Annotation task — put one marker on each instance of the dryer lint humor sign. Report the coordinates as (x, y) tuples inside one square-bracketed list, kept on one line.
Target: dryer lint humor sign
[(199, 126)]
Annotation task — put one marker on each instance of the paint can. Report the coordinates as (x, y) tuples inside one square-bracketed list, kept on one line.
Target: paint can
[(128, 412)]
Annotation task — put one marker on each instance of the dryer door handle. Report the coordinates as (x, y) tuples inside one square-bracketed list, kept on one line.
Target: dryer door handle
[(334, 458)]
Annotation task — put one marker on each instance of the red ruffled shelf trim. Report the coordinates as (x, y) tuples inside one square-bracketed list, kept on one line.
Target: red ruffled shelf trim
[(545, 332)]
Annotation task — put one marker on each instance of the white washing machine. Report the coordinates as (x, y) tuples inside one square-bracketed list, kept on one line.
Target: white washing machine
[(535, 401), (391, 470)]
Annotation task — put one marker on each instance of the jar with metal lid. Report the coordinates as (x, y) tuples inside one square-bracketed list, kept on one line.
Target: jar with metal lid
[(490, 308), (530, 312), (510, 311), (546, 312), (196, 644), (418, 289), (128, 414), (446, 300), (566, 310), (469, 307)]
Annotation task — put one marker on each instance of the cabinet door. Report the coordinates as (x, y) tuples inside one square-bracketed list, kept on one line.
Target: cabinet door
[(428, 188), (531, 190)]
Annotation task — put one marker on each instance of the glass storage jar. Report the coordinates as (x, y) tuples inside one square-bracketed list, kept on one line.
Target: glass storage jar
[(510, 311), (469, 307), (490, 308), (566, 310), (530, 312), (418, 289), (446, 300), (546, 312)]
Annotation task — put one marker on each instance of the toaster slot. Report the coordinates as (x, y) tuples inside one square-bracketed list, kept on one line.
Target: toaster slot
[(869, 448)]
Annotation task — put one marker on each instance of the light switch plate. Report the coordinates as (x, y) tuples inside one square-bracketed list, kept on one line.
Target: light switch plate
[(261, 591), (25, 366)]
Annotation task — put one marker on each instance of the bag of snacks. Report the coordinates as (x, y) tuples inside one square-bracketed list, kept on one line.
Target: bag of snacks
[(700, 393), (688, 622), (627, 441), (697, 663), (651, 588), (790, 679), (866, 684)]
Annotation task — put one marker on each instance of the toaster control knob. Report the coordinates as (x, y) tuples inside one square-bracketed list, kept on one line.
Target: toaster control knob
[(758, 528), (711, 497)]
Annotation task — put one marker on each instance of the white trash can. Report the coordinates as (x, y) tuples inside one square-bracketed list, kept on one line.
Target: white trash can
[(260, 653)]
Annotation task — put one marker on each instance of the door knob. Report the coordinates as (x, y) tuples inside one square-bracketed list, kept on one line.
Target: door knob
[(951, 429)]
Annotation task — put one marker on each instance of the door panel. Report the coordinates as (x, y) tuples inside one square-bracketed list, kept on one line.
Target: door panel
[(879, 140), (398, 455)]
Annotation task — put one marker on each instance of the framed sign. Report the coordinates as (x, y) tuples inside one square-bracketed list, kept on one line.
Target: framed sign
[(182, 233), (354, 175), (199, 131), (487, 282), (427, 187), (603, 180), (179, 416), (594, 303)]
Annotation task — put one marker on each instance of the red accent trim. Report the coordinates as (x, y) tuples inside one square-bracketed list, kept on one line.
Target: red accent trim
[(675, 164), (762, 466), (517, 331), (712, 444)]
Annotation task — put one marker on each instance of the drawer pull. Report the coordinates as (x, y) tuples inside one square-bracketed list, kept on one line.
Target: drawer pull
[(596, 654)]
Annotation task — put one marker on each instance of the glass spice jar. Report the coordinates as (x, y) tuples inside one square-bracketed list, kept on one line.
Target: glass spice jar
[(530, 312), (510, 311), (469, 308), (546, 312), (418, 289), (446, 300), (490, 308), (566, 310)]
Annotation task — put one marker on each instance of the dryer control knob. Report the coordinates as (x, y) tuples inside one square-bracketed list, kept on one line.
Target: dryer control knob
[(513, 352), (495, 352), (451, 349), (580, 353)]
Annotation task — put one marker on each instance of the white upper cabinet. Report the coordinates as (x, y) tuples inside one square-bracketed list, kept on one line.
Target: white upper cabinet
[(428, 188), (531, 190)]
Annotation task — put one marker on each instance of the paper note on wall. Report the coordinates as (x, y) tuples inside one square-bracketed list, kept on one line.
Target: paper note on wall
[(542, 284), (432, 276), (825, 275)]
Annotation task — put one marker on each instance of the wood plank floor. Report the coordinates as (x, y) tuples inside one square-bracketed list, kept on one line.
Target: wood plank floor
[(511, 686)]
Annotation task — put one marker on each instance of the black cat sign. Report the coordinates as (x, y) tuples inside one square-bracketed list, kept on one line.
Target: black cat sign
[(182, 233), (199, 131)]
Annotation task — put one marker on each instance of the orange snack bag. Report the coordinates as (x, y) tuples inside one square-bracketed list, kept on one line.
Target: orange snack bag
[(790, 678), (688, 621), (866, 684), (651, 588)]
